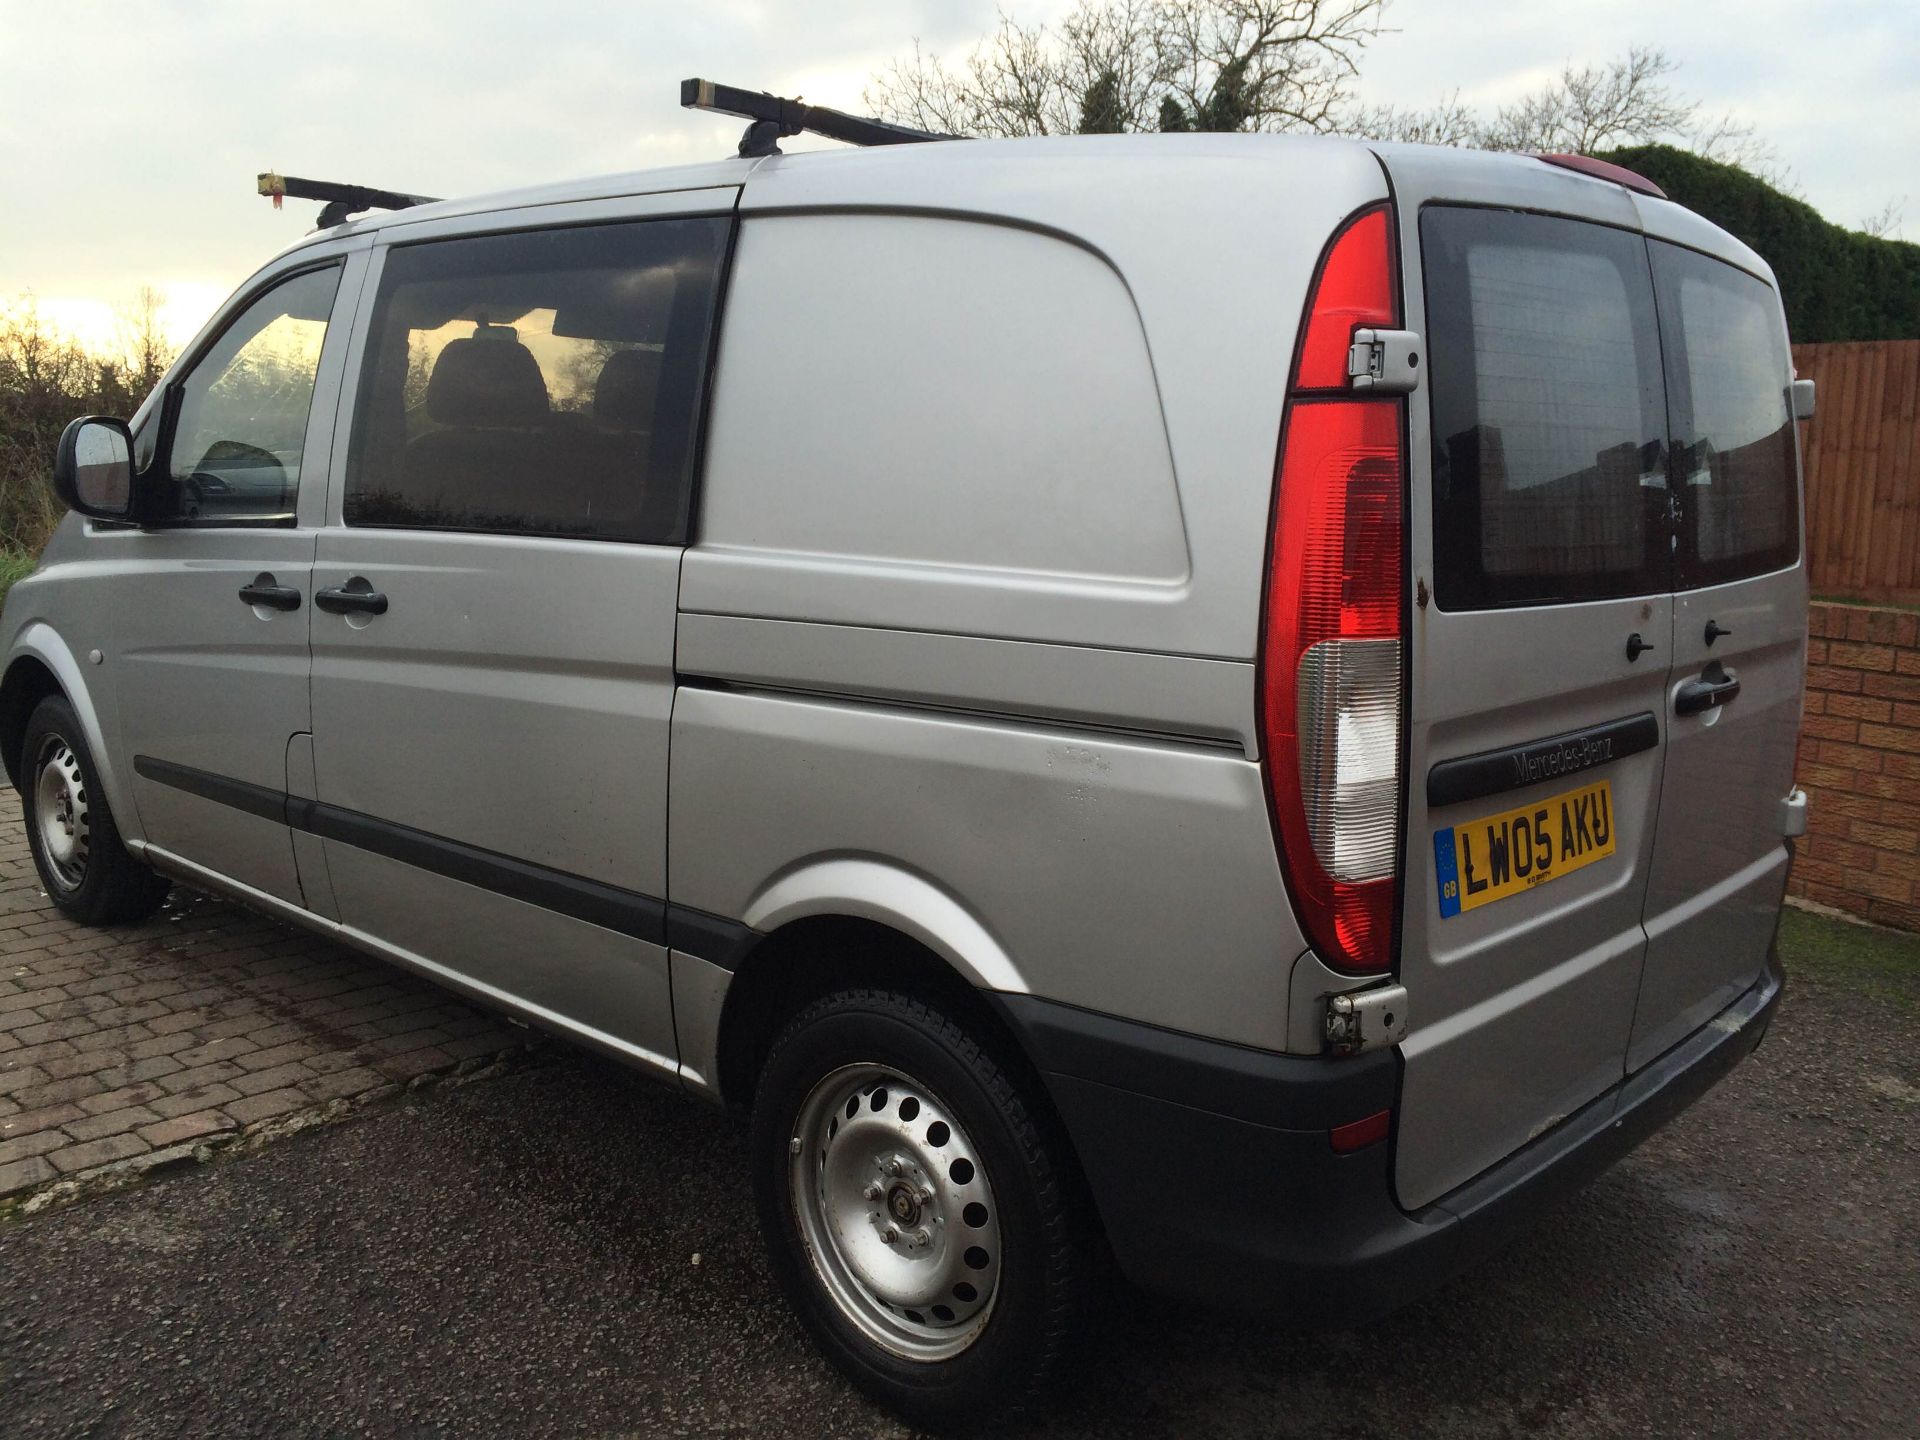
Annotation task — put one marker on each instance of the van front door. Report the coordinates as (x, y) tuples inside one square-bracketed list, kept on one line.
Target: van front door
[(1739, 646), (497, 597), (211, 598)]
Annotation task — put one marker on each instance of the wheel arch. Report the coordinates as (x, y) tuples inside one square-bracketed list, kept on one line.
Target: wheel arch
[(41, 665), (816, 954)]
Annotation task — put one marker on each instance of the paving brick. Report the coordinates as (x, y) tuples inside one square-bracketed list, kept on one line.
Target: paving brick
[(344, 1083), (182, 1128), (44, 1117), (38, 1143), (279, 1077), (97, 1152), (265, 1107), (113, 1122), (24, 1174), (205, 1097), (139, 1094), (23, 1078), (59, 1092)]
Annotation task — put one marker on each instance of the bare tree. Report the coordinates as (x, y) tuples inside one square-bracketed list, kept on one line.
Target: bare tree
[(142, 340), (1585, 109), (1143, 65), (1885, 223)]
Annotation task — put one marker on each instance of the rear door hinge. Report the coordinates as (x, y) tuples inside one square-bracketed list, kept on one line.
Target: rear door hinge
[(1366, 1020), (1384, 361)]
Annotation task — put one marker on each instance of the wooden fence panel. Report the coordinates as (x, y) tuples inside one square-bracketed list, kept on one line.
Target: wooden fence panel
[(1862, 462)]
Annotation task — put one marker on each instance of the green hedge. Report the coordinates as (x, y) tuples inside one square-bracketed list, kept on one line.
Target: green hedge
[(1837, 284)]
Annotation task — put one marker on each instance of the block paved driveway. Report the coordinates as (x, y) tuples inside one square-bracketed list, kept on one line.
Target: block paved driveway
[(206, 1027)]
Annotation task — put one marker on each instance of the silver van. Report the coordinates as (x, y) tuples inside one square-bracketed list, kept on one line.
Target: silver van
[(1225, 704)]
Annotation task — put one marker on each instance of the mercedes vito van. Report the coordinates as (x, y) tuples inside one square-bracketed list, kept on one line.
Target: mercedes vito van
[(1222, 702)]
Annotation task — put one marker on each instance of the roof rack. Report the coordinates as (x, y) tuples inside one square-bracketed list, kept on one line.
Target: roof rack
[(774, 118), (341, 200)]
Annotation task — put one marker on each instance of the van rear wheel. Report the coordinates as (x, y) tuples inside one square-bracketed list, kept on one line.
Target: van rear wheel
[(76, 846), (921, 1221)]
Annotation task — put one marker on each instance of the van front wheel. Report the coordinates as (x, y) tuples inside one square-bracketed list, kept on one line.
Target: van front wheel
[(76, 847), (922, 1222)]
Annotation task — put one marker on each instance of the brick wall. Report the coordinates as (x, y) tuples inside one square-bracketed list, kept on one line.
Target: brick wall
[(1860, 764)]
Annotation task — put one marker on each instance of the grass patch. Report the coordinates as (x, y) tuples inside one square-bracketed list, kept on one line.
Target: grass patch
[(1882, 964), (15, 565)]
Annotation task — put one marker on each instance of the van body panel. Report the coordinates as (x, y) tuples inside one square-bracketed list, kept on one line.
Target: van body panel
[(1220, 385), (1174, 695), (1086, 858)]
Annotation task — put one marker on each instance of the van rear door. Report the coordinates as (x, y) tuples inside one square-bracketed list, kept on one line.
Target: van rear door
[(1540, 543), (1739, 645)]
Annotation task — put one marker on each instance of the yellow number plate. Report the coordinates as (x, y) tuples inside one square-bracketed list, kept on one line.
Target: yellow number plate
[(1500, 855)]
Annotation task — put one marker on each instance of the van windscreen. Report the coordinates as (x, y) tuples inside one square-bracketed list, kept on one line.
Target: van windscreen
[(1548, 418)]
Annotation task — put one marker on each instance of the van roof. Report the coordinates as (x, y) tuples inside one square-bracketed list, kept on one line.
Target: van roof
[(961, 173)]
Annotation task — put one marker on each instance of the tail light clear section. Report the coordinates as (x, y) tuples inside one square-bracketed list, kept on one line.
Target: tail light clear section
[(1331, 690)]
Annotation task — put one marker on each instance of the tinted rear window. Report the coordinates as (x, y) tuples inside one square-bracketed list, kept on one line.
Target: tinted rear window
[(1548, 417), (1733, 447)]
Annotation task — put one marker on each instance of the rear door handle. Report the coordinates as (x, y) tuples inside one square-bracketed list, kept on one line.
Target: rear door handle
[(1713, 689), (356, 597), (264, 590)]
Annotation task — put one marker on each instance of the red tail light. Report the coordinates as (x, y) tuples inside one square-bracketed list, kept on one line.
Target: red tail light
[(1336, 578)]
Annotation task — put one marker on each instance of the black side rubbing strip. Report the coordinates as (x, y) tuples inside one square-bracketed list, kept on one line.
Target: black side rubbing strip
[(238, 794), (1472, 777), (711, 938)]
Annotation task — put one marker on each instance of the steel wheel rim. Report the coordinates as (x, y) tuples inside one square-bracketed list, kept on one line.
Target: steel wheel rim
[(876, 1154), (61, 813)]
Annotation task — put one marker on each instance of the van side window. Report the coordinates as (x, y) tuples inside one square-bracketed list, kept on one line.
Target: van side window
[(539, 383), (1549, 421), (1733, 445), (242, 424)]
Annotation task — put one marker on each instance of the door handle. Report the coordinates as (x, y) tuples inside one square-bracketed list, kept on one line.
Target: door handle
[(356, 597), (1714, 688), (263, 589)]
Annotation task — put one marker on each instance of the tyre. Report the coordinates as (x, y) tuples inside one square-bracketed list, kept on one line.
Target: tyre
[(76, 846), (931, 1233)]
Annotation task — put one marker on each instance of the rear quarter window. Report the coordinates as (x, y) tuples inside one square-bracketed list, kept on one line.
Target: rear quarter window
[(1547, 412)]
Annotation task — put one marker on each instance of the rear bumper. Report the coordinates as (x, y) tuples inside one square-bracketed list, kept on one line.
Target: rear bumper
[(1214, 1174)]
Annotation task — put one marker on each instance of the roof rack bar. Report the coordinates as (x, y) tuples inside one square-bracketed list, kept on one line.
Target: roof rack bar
[(774, 117), (341, 200)]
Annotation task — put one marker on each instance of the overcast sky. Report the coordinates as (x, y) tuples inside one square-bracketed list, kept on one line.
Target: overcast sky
[(130, 133)]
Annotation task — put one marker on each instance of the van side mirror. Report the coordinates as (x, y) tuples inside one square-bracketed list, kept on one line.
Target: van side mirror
[(93, 469), (1803, 399)]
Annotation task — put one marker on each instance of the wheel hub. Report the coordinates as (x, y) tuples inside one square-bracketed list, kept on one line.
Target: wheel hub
[(896, 1211), (61, 812)]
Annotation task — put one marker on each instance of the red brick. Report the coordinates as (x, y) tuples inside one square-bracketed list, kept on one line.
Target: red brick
[(1884, 837), (1890, 737), (1830, 727), (1892, 687), (1849, 757), (1866, 707), (1852, 656), (1830, 678)]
